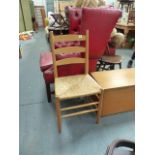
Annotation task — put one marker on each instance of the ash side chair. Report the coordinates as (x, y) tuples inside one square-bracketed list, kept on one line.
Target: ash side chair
[(74, 86)]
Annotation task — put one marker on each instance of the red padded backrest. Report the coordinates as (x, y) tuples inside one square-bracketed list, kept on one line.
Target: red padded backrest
[(74, 15), (100, 23)]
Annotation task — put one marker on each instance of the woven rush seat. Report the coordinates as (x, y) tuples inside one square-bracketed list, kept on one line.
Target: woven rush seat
[(68, 87)]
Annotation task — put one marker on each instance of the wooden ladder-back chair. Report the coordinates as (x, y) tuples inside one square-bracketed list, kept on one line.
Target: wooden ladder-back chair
[(74, 86)]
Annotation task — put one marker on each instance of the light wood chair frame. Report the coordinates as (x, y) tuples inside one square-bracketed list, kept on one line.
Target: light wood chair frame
[(74, 49)]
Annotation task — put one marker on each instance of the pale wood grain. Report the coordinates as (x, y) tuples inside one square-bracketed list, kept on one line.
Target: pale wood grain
[(119, 90), (118, 100), (79, 113), (79, 106), (70, 37), (72, 60), (58, 112), (99, 107), (87, 53), (53, 54), (71, 49), (115, 78)]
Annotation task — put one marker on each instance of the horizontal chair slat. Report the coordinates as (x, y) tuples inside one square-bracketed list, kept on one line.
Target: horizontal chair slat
[(79, 113), (70, 37), (79, 106), (67, 61), (72, 49)]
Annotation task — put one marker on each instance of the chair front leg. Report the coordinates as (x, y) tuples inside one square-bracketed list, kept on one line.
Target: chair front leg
[(58, 111)]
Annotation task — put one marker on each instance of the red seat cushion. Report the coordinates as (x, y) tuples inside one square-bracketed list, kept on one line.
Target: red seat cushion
[(45, 61), (49, 75)]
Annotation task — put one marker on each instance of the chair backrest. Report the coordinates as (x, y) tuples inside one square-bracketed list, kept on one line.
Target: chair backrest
[(74, 16), (100, 23), (70, 49)]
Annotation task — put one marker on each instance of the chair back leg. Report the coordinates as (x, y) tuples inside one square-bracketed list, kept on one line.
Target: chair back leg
[(48, 92)]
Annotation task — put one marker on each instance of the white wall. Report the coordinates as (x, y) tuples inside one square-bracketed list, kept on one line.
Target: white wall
[(110, 1), (45, 6), (39, 2)]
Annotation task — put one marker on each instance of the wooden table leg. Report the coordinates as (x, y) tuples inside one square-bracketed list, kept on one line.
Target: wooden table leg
[(99, 108)]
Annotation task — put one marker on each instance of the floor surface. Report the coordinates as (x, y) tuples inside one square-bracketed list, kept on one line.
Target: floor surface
[(38, 126)]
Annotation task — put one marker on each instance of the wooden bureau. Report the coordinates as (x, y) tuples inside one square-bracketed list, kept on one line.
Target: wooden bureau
[(119, 90)]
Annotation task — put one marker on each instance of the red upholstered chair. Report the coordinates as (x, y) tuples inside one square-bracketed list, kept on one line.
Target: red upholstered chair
[(99, 22)]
